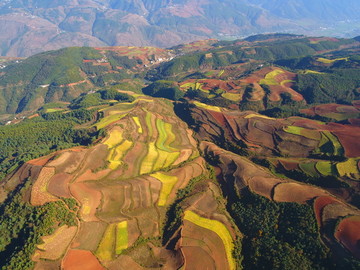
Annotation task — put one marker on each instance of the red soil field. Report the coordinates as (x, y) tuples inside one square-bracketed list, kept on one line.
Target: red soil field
[(81, 260), (354, 122), (293, 192), (319, 205), (219, 117), (40, 161), (349, 139), (348, 234), (289, 165), (356, 104), (276, 90)]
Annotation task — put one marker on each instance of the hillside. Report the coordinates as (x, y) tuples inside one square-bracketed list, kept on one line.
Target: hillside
[(30, 27), (215, 154)]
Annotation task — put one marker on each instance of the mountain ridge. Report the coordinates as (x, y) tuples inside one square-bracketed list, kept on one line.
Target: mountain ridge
[(27, 28)]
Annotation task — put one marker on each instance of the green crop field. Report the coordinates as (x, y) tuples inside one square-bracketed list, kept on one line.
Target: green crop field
[(270, 77), (309, 169), (121, 237), (326, 168), (308, 133)]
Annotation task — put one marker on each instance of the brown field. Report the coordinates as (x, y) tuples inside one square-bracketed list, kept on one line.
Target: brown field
[(348, 234), (89, 235), (148, 222), (335, 111), (197, 258), (349, 139), (336, 211), (48, 265), (123, 262), (96, 157), (55, 245), (199, 238), (263, 185), (77, 259), (89, 198), (59, 185), (68, 161), (289, 164), (88, 175), (39, 193), (319, 204), (293, 192)]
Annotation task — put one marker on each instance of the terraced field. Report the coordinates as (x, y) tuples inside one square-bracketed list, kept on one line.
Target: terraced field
[(217, 227), (153, 194), (123, 184)]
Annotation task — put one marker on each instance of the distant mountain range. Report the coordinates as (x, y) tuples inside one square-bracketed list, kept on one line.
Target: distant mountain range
[(29, 27)]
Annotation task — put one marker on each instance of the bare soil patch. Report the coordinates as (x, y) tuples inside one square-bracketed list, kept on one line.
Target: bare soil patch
[(77, 259)]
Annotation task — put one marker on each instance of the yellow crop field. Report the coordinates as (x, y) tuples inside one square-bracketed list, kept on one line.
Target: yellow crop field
[(115, 137), (232, 96), (270, 77), (218, 228), (171, 158), (194, 86), (105, 250), (349, 168), (150, 159), (286, 81), (137, 122), (330, 61), (121, 237), (308, 71), (168, 183), (208, 107), (108, 120), (116, 154), (54, 110), (252, 115), (148, 124)]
